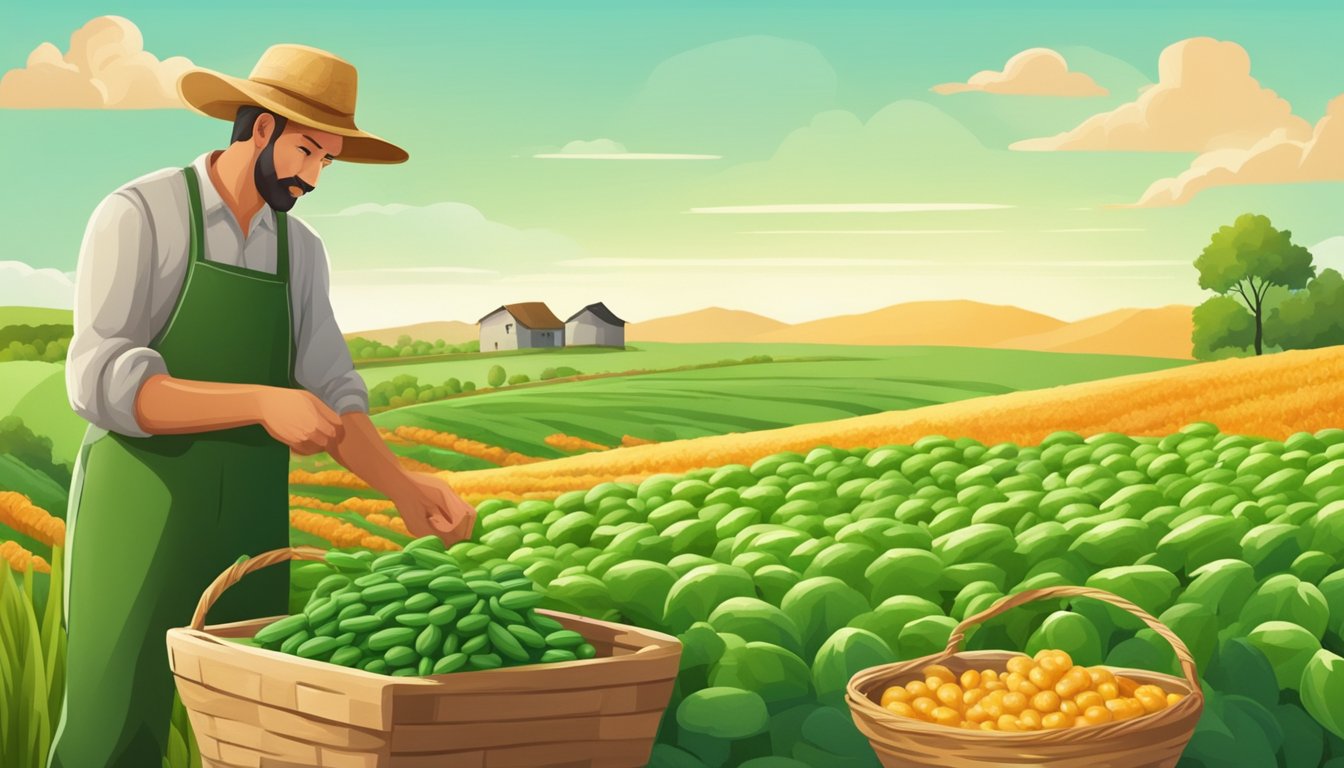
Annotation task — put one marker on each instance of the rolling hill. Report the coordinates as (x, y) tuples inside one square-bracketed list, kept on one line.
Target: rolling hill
[(1158, 332), (1272, 396), (933, 323), (1146, 332), (704, 326), (451, 331)]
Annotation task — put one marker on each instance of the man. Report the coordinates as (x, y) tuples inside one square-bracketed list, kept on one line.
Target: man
[(205, 351)]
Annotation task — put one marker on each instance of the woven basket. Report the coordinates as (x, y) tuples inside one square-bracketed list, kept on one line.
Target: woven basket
[(257, 708), (1152, 741)]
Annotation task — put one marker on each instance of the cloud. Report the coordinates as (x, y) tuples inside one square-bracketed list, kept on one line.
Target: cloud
[(1328, 254), (1033, 72), (606, 149), (107, 67), (24, 286), (1275, 159), (383, 241), (728, 96), (1205, 99), (850, 208)]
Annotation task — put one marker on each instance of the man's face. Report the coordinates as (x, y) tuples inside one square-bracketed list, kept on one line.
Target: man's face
[(289, 164)]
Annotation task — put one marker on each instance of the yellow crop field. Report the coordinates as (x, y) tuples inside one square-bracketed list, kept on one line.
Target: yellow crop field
[(18, 512), (571, 443), (1271, 396)]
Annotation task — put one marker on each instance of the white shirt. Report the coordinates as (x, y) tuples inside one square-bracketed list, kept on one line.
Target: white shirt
[(131, 266)]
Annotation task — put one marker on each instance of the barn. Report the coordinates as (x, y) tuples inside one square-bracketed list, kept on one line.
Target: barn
[(595, 324), (526, 325)]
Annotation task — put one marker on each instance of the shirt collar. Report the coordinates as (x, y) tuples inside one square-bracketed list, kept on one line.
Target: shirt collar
[(212, 205)]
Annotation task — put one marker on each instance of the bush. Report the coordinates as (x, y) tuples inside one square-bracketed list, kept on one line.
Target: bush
[(496, 376), (518, 378), (468, 386)]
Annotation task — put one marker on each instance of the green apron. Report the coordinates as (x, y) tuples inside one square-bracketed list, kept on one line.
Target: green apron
[(154, 520)]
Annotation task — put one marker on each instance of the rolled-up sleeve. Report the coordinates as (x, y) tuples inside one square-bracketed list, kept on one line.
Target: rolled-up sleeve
[(109, 357), (323, 364)]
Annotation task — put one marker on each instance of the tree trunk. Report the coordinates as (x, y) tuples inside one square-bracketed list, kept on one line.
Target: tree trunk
[(1259, 329)]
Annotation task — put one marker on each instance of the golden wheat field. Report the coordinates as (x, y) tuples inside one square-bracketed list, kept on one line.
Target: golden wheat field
[(1272, 396)]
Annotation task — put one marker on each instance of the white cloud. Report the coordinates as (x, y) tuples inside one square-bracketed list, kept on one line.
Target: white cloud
[(441, 237), (1033, 72), (924, 231), (1328, 254), (807, 261), (850, 208), (1205, 99), (871, 231), (606, 149), (23, 286), (745, 262), (106, 67)]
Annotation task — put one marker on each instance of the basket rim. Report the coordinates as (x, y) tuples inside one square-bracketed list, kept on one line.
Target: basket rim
[(1188, 708), (659, 645)]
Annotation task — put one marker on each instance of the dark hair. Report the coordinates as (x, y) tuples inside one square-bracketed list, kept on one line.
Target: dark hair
[(247, 117)]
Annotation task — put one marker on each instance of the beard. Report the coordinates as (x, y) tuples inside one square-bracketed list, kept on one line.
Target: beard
[(275, 191)]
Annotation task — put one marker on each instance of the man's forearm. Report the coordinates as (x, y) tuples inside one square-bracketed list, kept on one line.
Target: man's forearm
[(166, 405), (362, 451)]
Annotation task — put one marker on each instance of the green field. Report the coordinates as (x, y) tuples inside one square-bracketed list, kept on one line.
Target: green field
[(742, 398), (1020, 370), (35, 316)]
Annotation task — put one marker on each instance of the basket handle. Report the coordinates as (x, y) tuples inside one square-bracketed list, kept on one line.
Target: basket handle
[(1013, 601), (245, 565)]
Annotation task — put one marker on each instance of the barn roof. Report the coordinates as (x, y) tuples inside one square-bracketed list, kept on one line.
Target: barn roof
[(601, 311), (531, 314)]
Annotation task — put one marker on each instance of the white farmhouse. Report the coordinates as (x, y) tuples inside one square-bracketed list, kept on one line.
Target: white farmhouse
[(595, 324), (521, 326)]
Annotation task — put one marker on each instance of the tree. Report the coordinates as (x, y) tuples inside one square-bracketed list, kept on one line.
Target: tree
[(1311, 318), (496, 376), (1248, 258), (1223, 328)]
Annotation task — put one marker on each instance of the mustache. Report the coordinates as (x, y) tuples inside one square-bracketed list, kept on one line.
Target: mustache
[(295, 181)]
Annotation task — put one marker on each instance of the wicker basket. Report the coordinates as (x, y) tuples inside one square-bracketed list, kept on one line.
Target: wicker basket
[(1152, 741), (255, 707)]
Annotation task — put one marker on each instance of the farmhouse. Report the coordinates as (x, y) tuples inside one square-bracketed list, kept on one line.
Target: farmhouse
[(521, 326), (595, 324)]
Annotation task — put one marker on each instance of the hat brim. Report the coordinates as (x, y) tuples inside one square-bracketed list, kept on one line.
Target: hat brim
[(219, 96)]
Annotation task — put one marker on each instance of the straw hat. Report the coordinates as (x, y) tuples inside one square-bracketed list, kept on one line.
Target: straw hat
[(306, 85)]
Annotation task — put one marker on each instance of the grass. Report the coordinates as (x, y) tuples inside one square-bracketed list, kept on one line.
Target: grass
[(32, 667), (35, 316)]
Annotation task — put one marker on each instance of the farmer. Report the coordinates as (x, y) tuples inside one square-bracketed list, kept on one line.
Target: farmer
[(204, 353)]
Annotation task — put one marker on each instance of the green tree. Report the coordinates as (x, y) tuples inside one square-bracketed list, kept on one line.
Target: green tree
[(403, 340), (1249, 257), (1223, 328), (1311, 318), (17, 440), (496, 376)]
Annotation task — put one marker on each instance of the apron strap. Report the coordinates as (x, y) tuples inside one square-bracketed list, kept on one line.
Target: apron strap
[(197, 217), (198, 228), (282, 246)]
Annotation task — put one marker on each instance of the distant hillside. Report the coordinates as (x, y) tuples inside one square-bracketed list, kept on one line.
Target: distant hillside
[(704, 326), (1149, 332), (1158, 332), (451, 331), (35, 316), (938, 323)]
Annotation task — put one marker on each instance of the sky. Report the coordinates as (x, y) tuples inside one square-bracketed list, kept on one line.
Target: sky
[(795, 159)]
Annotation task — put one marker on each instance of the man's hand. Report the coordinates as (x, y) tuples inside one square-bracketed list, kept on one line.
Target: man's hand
[(429, 506), (299, 419)]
